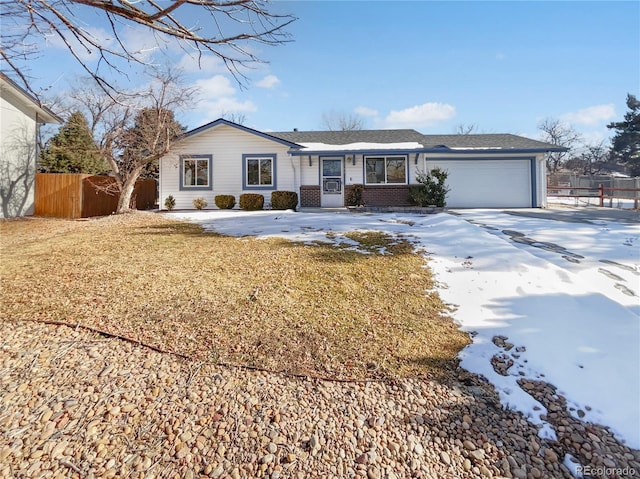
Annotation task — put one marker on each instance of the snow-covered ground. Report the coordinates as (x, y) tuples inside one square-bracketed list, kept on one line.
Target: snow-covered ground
[(564, 294)]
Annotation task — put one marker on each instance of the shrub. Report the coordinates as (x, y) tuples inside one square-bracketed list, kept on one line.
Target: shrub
[(200, 203), (251, 201), (432, 190), (170, 202), (284, 200), (354, 197), (225, 202)]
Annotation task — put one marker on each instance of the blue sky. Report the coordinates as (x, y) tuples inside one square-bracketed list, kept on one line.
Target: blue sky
[(502, 66)]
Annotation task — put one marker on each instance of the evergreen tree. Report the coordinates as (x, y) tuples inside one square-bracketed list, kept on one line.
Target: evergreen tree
[(626, 142), (152, 130), (72, 149)]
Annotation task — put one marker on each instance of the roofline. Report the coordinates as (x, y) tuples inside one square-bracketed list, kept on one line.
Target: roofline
[(222, 121), (298, 149), (352, 152), (462, 151), (42, 112), (469, 151)]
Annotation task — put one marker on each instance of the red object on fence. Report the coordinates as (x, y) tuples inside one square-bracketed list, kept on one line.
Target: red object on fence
[(601, 193)]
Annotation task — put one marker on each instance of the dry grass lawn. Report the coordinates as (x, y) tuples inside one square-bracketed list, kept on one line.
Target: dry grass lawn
[(319, 310)]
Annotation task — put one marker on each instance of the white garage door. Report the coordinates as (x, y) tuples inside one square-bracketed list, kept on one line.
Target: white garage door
[(487, 183)]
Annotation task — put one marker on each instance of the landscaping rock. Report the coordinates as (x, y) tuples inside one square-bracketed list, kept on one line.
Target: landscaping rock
[(78, 404)]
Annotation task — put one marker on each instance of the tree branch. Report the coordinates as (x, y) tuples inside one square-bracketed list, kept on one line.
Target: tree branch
[(233, 26)]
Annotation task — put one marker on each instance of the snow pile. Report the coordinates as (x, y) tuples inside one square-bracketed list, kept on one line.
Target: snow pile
[(562, 296)]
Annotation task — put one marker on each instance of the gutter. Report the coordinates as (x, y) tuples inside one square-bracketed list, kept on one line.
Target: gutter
[(461, 151)]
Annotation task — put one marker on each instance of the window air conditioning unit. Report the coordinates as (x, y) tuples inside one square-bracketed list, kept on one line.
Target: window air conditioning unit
[(332, 186)]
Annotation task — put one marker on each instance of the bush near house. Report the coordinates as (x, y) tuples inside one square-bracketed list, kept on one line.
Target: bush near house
[(284, 200), (251, 201), (225, 202), (200, 203), (432, 190), (170, 202), (354, 196)]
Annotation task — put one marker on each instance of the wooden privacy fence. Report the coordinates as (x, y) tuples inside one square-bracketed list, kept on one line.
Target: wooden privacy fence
[(76, 195)]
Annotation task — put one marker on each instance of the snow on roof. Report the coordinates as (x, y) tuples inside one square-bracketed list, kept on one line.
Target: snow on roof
[(477, 148), (408, 145)]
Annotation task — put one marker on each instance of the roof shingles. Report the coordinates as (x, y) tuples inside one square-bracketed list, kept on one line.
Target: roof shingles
[(485, 141), (297, 139)]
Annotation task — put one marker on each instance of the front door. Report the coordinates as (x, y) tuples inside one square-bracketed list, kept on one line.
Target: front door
[(332, 191)]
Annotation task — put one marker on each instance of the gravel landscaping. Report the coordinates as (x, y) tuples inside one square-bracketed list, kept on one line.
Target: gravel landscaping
[(76, 403)]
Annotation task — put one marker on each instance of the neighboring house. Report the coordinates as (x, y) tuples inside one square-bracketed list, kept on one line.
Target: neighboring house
[(221, 157), (20, 119)]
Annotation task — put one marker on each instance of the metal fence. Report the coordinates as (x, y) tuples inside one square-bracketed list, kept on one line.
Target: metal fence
[(602, 187), (565, 184)]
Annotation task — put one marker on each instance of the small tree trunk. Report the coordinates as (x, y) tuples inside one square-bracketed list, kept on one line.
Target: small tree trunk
[(124, 203)]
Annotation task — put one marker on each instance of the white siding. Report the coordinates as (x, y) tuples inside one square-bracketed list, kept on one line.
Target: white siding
[(353, 173), (226, 145), (414, 168), (17, 155), (541, 194), (309, 175)]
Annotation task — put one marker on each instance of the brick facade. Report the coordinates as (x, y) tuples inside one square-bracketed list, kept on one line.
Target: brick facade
[(384, 195), (373, 195), (310, 196)]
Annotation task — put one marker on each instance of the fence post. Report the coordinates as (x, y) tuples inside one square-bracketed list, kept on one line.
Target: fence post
[(601, 193)]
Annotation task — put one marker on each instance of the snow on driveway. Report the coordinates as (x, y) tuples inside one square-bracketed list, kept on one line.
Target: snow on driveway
[(563, 297)]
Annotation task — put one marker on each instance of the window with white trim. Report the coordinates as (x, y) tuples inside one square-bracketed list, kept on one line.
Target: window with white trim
[(195, 172), (259, 171), (381, 170)]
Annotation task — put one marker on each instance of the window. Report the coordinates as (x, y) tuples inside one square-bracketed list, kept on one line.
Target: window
[(195, 172), (259, 172), (386, 170)]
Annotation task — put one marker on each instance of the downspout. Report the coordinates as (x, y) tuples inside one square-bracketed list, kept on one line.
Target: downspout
[(37, 138), (160, 202), (542, 169), (296, 187)]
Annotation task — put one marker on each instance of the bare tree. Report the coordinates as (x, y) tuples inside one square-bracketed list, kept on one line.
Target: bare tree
[(237, 118), (559, 134), (466, 129), (592, 160), (223, 28), (340, 121), (133, 130)]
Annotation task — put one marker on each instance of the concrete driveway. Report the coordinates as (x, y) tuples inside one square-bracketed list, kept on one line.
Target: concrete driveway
[(580, 214), (596, 242)]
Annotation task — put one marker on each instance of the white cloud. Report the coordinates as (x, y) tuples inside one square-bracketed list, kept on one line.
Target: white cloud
[(215, 87), (140, 43), (417, 116), (591, 115), (596, 136), (100, 36), (217, 96), (204, 64), (270, 81), (230, 105), (366, 111)]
